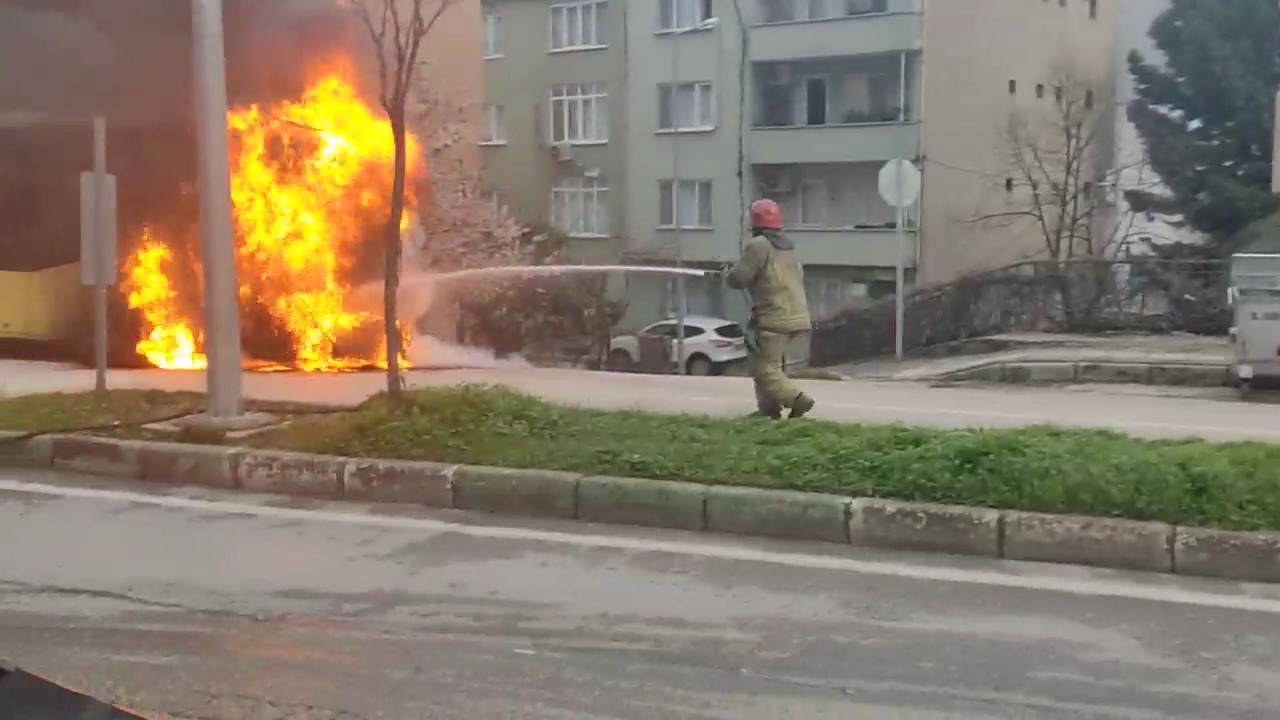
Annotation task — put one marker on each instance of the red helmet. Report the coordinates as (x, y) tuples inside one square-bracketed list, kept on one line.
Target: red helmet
[(766, 214)]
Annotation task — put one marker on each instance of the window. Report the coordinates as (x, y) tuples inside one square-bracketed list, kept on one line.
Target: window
[(683, 14), (1040, 90), (580, 206), (1093, 9), (1013, 87), (686, 106), (577, 25), (733, 331), (776, 11), (494, 131), (687, 202), (1088, 99), (579, 114), (492, 35)]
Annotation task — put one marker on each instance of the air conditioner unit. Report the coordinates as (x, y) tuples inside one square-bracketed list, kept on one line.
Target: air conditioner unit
[(562, 152)]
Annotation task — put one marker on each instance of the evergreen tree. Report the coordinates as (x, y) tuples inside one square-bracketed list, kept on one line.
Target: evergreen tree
[(1207, 113)]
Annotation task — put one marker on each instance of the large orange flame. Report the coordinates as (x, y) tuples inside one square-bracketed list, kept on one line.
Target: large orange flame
[(310, 188), (170, 343)]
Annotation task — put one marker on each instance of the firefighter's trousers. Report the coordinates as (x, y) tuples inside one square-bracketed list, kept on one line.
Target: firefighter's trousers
[(767, 360)]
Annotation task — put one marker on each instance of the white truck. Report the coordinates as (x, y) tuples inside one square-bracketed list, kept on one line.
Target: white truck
[(1255, 301)]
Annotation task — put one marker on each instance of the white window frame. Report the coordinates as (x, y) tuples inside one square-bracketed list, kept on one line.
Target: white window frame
[(583, 111), (580, 206), (492, 35), (669, 202), (818, 10), (670, 19), (704, 107), (577, 33), (494, 128)]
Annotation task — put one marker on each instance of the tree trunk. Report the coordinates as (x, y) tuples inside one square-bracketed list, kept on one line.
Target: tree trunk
[(391, 288)]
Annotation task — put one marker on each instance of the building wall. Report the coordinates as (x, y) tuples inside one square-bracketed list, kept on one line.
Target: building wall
[(972, 50), (657, 58), (522, 170), (455, 69)]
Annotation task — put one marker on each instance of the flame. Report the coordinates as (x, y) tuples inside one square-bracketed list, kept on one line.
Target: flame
[(310, 193), (171, 343)]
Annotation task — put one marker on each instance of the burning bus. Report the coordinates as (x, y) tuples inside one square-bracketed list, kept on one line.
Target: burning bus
[(311, 158)]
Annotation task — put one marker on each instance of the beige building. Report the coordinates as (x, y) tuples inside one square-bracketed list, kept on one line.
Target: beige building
[(698, 107)]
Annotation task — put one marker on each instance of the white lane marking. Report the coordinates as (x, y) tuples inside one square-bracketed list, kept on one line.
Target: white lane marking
[(709, 549)]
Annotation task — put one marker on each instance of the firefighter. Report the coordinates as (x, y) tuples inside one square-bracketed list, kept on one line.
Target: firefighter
[(772, 275)]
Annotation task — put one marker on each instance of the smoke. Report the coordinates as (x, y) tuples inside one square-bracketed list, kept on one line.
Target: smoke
[(131, 59)]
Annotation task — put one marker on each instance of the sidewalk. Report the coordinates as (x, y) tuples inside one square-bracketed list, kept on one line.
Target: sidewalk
[(1048, 348)]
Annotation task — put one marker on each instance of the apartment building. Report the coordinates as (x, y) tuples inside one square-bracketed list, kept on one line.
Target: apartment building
[(714, 103), (554, 116)]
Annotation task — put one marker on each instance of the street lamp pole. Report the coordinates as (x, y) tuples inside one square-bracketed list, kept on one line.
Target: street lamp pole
[(682, 298), (221, 308)]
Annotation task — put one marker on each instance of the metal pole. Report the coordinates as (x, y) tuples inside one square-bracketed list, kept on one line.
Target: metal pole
[(900, 275), (222, 313), (681, 299), (101, 270)]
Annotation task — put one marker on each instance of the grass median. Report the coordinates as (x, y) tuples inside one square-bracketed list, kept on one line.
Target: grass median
[(1039, 469)]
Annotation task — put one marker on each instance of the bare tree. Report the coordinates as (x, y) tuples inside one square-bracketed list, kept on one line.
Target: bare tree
[(397, 29), (469, 226), (1058, 157)]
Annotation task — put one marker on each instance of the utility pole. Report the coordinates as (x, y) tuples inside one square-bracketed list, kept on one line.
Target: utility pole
[(221, 294), (101, 262)]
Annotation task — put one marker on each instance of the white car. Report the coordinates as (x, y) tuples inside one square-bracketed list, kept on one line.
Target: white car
[(710, 344)]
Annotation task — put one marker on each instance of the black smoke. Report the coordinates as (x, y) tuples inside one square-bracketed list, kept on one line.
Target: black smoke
[(131, 59)]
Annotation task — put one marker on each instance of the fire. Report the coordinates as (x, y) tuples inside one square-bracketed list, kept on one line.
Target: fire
[(311, 180), (171, 343)]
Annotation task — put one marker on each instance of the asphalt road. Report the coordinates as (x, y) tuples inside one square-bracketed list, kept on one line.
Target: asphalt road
[(203, 605), (1138, 411)]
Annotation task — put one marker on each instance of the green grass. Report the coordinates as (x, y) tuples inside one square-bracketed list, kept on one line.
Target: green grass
[(62, 412), (1039, 469)]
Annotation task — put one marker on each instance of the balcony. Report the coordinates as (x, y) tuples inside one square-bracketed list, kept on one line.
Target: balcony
[(792, 29), (835, 143), (835, 213), (849, 109), (854, 248)]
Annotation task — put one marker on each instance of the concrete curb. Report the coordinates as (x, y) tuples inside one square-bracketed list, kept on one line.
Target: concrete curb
[(925, 527), (866, 522), (1075, 540), (644, 503), (1229, 555), (1051, 372), (285, 473), (777, 513), (36, 453)]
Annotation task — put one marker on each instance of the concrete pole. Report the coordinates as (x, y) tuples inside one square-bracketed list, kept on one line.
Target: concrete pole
[(682, 300), (221, 309), (101, 261), (900, 277)]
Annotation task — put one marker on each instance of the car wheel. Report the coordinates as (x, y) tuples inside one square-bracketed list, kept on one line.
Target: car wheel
[(620, 361), (700, 365)]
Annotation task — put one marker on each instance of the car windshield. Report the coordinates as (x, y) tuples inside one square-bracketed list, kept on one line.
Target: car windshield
[(732, 331)]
